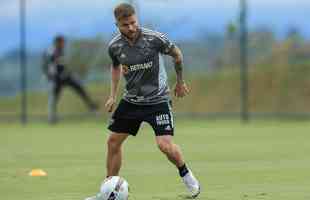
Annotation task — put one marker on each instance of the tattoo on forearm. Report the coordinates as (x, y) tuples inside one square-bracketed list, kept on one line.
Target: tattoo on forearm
[(179, 71), (178, 64)]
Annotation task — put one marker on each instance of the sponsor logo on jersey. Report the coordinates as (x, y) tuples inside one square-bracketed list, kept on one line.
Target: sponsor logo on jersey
[(126, 69), (137, 67)]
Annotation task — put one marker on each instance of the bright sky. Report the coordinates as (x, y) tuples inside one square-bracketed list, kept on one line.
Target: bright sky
[(82, 17), (9, 7)]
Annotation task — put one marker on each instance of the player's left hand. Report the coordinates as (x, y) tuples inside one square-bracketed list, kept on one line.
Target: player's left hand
[(181, 90)]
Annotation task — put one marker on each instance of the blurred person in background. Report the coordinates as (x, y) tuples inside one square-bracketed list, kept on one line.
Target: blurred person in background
[(59, 76)]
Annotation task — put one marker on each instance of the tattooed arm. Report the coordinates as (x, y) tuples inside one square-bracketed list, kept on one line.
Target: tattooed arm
[(180, 89)]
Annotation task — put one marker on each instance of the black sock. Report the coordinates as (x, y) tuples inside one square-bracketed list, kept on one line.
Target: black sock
[(183, 170)]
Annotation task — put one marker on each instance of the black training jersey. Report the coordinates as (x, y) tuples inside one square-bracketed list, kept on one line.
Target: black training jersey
[(143, 66), (54, 62)]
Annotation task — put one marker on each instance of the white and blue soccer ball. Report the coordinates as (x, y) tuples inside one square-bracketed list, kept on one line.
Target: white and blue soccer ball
[(113, 188)]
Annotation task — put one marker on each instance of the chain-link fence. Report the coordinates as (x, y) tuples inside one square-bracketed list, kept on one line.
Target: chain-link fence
[(238, 62)]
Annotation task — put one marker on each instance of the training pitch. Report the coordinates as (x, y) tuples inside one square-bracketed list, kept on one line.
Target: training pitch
[(262, 160)]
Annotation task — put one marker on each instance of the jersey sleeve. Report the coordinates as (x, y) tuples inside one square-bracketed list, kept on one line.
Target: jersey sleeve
[(47, 59), (45, 62), (49, 55), (48, 65), (164, 44), (115, 61)]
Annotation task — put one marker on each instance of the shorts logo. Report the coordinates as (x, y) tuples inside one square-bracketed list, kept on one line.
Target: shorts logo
[(168, 128), (163, 119)]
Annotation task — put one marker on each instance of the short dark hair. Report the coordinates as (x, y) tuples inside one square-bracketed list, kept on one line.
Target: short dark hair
[(124, 10), (59, 38)]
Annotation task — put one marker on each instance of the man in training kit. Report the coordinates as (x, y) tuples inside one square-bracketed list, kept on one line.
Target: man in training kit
[(136, 53), (54, 67)]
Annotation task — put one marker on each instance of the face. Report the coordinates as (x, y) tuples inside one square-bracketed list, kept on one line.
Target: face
[(60, 44), (128, 26)]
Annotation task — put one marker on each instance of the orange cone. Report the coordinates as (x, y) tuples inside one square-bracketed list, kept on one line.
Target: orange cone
[(37, 172)]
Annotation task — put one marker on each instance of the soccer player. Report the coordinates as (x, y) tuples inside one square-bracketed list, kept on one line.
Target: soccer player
[(54, 67), (136, 53)]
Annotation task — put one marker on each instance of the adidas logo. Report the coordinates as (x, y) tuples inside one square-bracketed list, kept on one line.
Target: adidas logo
[(168, 128), (123, 55)]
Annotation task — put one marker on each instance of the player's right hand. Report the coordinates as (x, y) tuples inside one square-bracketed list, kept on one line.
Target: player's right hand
[(110, 104)]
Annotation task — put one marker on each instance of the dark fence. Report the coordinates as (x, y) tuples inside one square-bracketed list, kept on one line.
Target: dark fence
[(242, 60)]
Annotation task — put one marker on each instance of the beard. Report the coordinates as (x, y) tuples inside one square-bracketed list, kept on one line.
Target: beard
[(132, 34)]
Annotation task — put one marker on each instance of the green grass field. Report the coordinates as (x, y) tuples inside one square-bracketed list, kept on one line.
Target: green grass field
[(262, 160)]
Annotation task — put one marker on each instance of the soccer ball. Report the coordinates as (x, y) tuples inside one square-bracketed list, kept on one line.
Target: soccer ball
[(113, 188)]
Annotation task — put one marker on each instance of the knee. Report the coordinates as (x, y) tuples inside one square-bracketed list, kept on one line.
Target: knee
[(165, 146), (113, 144)]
